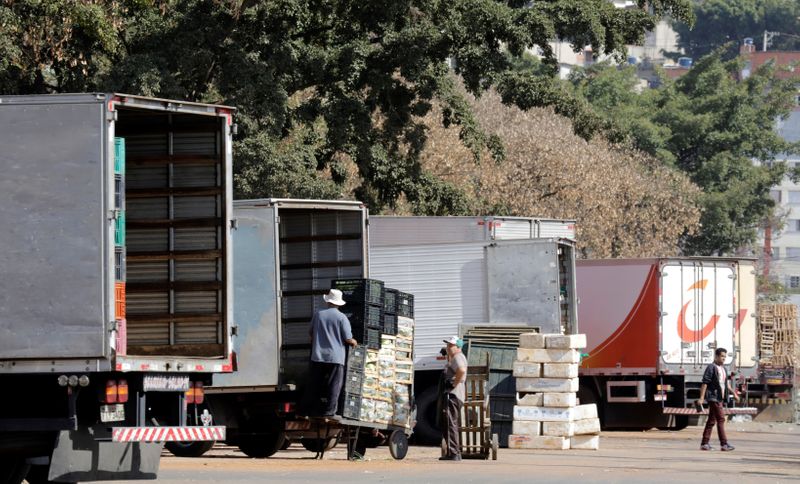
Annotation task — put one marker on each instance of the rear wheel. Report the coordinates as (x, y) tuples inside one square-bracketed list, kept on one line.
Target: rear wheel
[(260, 446), (426, 431), (318, 445), (189, 449), (39, 475), (398, 444), (13, 471)]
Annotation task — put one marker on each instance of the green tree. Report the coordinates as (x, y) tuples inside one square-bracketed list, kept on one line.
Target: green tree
[(729, 22), (712, 126)]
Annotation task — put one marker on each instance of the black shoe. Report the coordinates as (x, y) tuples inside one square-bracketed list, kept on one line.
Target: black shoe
[(450, 457)]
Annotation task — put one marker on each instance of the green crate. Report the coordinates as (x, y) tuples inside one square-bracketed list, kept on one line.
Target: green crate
[(119, 156), (119, 230)]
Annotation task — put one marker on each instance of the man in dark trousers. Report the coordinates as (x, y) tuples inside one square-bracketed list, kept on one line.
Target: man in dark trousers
[(330, 332), (455, 376), (715, 381)]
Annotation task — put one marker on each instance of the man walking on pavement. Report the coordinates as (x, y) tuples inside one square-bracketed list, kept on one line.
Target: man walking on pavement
[(455, 374), (330, 332), (715, 382)]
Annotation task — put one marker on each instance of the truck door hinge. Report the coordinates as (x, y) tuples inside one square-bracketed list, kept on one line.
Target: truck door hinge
[(114, 214), (234, 224), (234, 330)]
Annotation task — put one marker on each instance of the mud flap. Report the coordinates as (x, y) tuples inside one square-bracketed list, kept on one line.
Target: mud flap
[(79, 457)]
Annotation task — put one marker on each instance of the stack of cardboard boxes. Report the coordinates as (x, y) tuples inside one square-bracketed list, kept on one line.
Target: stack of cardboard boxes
[(547, 414)]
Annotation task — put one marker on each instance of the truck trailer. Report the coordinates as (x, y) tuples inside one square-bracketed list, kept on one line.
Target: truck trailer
[(652, 326), (116, 295), (464, 273)]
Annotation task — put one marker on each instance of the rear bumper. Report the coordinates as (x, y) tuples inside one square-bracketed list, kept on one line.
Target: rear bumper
[(726, 411), (167, 434)]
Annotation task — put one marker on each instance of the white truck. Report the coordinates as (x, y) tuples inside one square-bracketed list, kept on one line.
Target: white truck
[(466, 271), (116, 288)]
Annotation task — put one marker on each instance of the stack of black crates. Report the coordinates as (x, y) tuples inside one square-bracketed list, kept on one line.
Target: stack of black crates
[(350, 405), (364, 308), (396, 303)]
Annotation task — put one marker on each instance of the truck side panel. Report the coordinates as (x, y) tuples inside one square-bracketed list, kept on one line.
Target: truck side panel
[(256, 315), (746, 321), (53, 242)]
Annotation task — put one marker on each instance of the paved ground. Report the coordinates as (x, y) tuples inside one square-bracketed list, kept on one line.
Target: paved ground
[(764, 453)]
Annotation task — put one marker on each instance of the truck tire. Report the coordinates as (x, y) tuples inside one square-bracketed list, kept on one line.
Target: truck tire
[(261, 446), (317, 445), (13, 471), (426, 431), (39, 475), (189, 449)]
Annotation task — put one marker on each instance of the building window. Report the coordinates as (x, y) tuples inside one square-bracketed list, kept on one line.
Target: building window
[(776, 195), (794, 196), (793, 225), (794, 282), (793, 253), (776, 253)]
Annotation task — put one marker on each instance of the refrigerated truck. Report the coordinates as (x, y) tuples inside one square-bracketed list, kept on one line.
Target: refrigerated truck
[(459, 284), (652, 326), (286, 253), (116, 288)]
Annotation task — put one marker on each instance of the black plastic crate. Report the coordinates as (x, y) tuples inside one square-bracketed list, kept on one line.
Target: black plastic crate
[(363, 315), (360, 291), (390, 324), (405, 304), (119, 263), (352, 406), (373, 339), (356, 358), (353, 382), (390, 300)]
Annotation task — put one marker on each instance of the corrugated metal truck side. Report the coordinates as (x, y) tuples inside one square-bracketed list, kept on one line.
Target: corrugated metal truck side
[(116, 293)]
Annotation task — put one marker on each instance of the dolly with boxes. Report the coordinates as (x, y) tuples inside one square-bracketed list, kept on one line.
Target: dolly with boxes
[(547, 414)]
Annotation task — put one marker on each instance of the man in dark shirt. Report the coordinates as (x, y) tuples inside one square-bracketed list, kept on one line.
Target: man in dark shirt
[(715, 382), (330, 332)]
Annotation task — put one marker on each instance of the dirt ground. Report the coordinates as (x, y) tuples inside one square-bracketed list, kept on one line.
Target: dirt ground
[(764, 453)]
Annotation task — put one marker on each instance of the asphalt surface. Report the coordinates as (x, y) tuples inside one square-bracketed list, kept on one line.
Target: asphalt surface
[(764, 453)]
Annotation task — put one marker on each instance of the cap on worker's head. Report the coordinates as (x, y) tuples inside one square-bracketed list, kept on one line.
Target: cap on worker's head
[(334, 296), (453, 340)]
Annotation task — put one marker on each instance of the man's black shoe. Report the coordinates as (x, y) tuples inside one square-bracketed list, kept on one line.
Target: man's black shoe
[(450, 457)]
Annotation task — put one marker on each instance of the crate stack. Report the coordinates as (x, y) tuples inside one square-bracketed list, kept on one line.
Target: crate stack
[(548, 414), (119, 245), (779, 337), (364, 308)]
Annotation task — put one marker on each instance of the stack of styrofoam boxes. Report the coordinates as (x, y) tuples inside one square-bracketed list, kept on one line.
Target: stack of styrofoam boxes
[(403, 371), (547, 414)]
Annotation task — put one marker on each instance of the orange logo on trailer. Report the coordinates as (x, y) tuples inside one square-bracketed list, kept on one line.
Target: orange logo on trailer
[(689, 335)]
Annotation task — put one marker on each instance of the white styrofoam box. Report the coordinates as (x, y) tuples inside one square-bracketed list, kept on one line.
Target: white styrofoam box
[(555, 414), (545, 385), (586, 426), (585, 442), (524, 369), (534, 442), (531, 340), (558, 429), (530, 399), (559, 399), (565, 341), (521, 427), (560, 370), (533, 355)]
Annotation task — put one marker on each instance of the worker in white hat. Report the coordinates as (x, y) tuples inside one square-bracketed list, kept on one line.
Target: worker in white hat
[(455, 376), (330, 332)]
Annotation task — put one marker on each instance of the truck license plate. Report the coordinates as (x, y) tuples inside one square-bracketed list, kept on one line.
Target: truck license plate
[(166, 383), (112, 413)]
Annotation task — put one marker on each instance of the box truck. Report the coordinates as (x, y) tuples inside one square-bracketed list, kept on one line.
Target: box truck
[(652, 326), (116, 291), (462, 273)]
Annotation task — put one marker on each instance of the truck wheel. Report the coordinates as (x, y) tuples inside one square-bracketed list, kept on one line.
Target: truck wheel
[(13, 471), (426, 431), (189, 449), (260, 446), (317, 445), (38, 475)]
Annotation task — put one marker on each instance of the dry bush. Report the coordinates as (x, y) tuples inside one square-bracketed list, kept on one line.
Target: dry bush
[(626, 203)]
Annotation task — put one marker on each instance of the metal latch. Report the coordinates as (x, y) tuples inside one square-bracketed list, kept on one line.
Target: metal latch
[(234, 224), (114, 214), (234, 330)]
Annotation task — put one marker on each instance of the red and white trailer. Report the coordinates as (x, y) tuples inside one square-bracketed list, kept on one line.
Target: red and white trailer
[(652, 326)]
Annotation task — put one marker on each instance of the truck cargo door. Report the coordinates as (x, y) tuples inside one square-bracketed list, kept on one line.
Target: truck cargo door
[(698, 311), (54, 244)]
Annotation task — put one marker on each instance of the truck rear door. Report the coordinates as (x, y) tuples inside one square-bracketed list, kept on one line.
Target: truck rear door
[(698, 311), (55, 237)]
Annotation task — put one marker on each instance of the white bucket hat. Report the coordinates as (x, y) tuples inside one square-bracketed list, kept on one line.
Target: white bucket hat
[(334, 296)]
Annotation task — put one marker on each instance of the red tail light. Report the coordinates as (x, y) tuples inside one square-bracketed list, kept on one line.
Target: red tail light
[(122, 391), (190, 395), (199, 393), (111, 391), (288, 407)]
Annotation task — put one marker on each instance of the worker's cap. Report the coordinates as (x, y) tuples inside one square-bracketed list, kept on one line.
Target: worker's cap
[(453, 340), (334, 296)]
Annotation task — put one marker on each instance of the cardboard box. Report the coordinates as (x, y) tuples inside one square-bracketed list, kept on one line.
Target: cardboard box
[(585, 442), (547, 385), (534, 442), (565, 341), (527, 370), (521, 427), (559, 399), (531, 340), (548, 356), (560, 370)]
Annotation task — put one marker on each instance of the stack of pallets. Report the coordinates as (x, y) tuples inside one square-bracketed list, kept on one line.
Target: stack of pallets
[(779, 338)]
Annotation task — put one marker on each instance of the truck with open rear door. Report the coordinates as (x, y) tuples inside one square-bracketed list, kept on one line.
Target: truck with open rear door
[(115, 286), (652, 326)]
